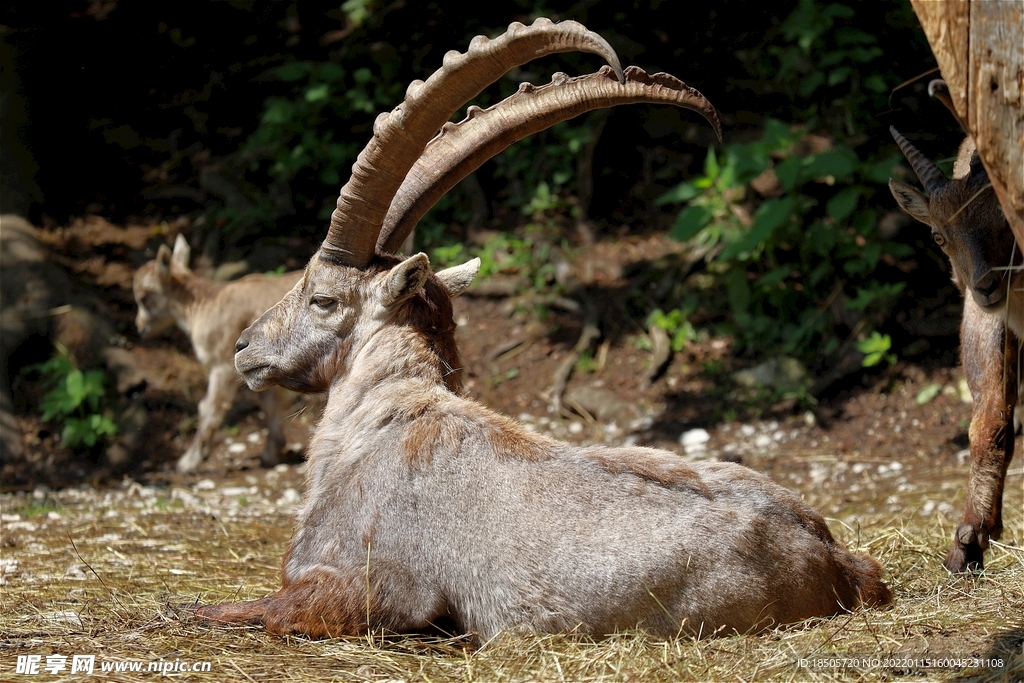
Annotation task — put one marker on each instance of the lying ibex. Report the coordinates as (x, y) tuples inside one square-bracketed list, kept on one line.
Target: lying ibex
[(969, 225), (421, 503), (213, 314)]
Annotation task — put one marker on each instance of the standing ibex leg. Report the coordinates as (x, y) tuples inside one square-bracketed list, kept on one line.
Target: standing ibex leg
[(990, 360), (220, 392)]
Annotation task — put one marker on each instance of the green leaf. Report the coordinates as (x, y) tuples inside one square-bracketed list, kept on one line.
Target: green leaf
[(838, 75), (738, 289), (689, 222), (318, 93), (293, 71), (788, 172), (838, 163), (768, 218), (810, 83), (330, 72), (876, 83), (711, 164), (843, 203), (75, 387), (875, 349), (880, 171), (927, 393), (278, 111), (683, 192)]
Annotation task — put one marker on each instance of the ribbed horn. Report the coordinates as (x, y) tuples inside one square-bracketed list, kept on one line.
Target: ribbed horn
[(462, 147), (929, 174), (399, 136)]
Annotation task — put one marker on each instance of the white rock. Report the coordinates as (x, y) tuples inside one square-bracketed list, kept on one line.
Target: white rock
[(694, 437), (236, 448), (204, 485)]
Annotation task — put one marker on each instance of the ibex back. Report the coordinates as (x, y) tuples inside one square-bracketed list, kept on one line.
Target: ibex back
[(970, 227), (422, 504), (213, 314)]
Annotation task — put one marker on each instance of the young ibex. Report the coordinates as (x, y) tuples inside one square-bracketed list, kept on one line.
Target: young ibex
[(423, 504), (213, 314), (970, 227)]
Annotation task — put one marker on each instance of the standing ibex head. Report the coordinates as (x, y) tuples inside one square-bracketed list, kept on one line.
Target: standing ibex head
[(414, 157), (966, 221)]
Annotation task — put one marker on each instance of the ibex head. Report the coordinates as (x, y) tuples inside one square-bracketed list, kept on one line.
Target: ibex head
[(966, 221), (352, 286), (151, 286), (310, 337)]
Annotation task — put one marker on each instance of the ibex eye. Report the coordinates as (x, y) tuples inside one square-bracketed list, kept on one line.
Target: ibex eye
[(322, 301), (939, 239)]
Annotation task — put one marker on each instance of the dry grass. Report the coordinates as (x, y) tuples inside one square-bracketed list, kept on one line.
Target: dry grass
[(113, 573)]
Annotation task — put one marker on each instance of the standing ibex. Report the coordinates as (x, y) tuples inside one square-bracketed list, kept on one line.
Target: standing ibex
[(969, 225), (213, 314), (421, 503)]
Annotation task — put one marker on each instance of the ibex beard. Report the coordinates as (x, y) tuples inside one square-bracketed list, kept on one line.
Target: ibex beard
[(423, 504)]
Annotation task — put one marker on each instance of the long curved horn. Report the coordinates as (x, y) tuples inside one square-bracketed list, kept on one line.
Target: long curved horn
[(929, 174), (399, 136), (462, 147)]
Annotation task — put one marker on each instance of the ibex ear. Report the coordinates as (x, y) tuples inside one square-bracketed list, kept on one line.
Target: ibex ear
[(457, 279), (406, 279), (163, 259), (911, 200), (182, 253)]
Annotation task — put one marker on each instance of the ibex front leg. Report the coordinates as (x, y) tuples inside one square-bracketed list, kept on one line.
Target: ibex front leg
[(220, 392), (990, 354), (322, 604)]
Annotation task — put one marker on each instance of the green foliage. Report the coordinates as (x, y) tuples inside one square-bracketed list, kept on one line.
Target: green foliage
[(676, 324), (876, 349), (779, 259), (75, 402), (505, 254), (787, 219)]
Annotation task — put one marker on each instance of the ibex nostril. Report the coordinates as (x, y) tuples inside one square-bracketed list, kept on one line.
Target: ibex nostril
[(988, 284), (241, 344)]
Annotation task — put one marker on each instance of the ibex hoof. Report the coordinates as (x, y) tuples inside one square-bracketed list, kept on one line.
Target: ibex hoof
[(968, 549), (189, 462)]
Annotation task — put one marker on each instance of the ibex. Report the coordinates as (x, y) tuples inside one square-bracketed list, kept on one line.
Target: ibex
[(213, 314), (970, 227), (422, 504)]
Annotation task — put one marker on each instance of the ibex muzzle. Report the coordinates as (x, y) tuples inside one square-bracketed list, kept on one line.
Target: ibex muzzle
[(422, 504), (970, 227)]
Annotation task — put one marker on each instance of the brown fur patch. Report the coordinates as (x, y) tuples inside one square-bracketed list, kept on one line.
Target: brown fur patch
[(322, 604), (663, 469), (420, 438), (509, 441)]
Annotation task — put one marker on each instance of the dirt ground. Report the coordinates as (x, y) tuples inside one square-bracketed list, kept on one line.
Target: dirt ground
[(92, 552)]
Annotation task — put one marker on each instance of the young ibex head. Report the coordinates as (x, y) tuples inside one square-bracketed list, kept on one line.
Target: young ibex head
[(152, 285), (352, 286), (967, 223)]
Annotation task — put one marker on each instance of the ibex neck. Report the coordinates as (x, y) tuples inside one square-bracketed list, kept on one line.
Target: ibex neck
[(190, 292), (396, 360)]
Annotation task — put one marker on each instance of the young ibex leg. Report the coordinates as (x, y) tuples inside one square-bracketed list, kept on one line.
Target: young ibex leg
[(220, 392), (322, 604), (990, 364), (273, 402)]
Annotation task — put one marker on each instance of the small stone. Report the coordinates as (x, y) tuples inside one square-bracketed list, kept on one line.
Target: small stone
[(694, 437)]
